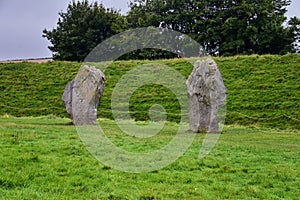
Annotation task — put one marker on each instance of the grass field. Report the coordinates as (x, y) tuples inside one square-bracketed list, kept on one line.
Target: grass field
[(43, 158), (262, 90), (256, 157)]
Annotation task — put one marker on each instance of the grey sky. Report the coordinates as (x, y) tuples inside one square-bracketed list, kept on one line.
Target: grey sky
[(22, 22)]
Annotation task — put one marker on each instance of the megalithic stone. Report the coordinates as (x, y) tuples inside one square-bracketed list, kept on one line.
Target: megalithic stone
[(206, 94), (82, 95)]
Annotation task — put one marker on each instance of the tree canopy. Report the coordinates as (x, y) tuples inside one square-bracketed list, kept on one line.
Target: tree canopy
[(222, 27), (82, 28)]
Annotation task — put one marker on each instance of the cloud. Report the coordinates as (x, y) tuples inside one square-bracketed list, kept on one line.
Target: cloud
[(22, 23)]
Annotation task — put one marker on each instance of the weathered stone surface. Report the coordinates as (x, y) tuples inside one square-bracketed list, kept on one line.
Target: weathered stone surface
[(82, 95), (206, 93)]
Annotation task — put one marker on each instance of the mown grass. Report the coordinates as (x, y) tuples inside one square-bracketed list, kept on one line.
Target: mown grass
[(43, 158), (262, 90)]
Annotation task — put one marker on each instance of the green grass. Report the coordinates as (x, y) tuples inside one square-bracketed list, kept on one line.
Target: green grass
[(43, 158), (262, 90), (256, 157)]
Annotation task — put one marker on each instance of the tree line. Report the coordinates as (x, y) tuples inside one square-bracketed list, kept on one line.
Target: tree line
[(222, 27)]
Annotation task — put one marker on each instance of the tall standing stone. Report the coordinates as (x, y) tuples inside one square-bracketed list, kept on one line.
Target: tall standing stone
[(82, 95), (206, 94)]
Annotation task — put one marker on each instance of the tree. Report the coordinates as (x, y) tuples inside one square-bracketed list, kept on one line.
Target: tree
[(294, 28), (82, 28), (223, 27), (255, 26)]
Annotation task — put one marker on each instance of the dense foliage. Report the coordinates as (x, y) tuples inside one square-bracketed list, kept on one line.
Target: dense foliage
[(223, 27), (81, 29)]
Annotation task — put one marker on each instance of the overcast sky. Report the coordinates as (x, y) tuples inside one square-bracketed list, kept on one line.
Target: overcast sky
[(22, 23)]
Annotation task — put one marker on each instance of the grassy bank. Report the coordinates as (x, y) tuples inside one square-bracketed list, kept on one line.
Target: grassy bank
[(43, 158), (262, 90)]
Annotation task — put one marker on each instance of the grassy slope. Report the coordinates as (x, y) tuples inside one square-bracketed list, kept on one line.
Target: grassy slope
[(43, 158), (263, 90)]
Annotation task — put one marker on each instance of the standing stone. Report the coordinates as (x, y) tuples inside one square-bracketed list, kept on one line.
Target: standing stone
[(82, 95), (206, 93)]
